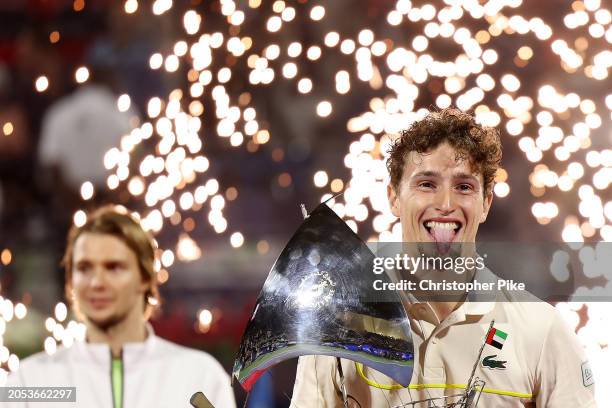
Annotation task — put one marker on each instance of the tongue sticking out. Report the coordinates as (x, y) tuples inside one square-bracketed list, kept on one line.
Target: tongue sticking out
[(444, 238)]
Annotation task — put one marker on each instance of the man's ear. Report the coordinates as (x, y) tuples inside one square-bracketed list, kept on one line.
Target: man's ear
[(145, 284), (393, 200), (486, 206)]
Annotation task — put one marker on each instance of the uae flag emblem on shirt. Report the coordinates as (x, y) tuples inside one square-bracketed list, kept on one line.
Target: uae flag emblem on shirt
[(496, 338)]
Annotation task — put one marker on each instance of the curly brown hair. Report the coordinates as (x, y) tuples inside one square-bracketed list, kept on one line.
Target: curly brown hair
[(480, 144)]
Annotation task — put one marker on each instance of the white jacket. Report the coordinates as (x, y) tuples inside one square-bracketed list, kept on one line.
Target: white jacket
[(156, 374)]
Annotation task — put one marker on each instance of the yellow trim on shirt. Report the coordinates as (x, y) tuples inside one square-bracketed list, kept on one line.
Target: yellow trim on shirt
[(371, 383)]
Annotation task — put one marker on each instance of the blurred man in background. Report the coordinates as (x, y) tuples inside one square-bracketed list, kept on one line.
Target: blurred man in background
[(80, 128), (111, 283)]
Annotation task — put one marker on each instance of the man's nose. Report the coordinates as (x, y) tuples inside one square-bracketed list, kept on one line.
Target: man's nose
[(445, 200), (98, 278)]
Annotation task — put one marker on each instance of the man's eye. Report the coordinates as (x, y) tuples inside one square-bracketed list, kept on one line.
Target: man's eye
[(83, 268), (426, 184), (112, 267), (465, 187)]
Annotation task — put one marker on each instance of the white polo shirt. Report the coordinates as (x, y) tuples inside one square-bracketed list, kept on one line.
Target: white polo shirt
[(541, 363)]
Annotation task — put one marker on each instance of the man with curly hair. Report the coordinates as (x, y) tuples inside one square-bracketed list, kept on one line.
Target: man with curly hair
[(442, 171)]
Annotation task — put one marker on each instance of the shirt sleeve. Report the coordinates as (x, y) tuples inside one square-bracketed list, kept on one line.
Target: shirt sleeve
[(220, 392), (315, 383), (563, 376)]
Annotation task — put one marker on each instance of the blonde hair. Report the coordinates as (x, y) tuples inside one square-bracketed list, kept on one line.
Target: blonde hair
[(116, 221)]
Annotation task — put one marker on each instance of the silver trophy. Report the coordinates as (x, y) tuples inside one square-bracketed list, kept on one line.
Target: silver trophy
[(318, 299)]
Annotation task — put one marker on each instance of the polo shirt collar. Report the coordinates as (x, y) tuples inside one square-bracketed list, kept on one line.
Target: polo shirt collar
[(99, 353)]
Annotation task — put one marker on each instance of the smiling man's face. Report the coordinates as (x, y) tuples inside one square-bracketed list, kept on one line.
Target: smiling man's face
[(439, 198)]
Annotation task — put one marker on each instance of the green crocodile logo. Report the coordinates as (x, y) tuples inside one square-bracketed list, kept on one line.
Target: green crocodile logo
[(493, 364)]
